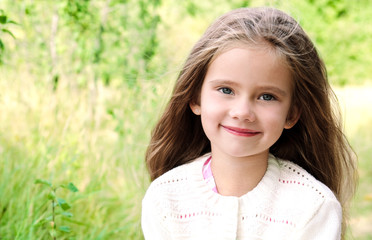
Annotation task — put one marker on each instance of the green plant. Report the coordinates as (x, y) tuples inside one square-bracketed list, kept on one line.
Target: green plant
[(56, 202), (4, 20)]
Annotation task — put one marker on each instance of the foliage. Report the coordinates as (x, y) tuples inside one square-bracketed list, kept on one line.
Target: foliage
[(85, 80), (4, 22), (115, 41), (56, 202), (340, 33)]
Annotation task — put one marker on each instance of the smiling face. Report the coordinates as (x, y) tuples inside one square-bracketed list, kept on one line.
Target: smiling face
[(245, 101)]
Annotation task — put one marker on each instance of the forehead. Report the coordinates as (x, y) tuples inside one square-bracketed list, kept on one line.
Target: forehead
[(250, 66), (252, 45)]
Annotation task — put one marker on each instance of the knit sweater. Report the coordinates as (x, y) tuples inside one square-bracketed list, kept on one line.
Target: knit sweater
[(288, 203)]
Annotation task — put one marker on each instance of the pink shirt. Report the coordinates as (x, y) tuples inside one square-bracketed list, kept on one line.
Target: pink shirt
[(208, 176)]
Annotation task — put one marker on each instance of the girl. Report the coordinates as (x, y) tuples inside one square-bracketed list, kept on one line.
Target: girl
[(249, 146)]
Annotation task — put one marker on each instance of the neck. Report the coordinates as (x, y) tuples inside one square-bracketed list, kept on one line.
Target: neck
[(235, 176)]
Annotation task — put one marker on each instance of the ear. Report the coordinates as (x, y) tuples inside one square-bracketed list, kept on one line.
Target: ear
[(195, 108), (293, 117)]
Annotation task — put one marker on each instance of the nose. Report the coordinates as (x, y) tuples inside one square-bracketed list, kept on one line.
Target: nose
[(243, 110)]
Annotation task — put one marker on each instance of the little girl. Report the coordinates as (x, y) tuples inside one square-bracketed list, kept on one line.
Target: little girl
[(249, 146)]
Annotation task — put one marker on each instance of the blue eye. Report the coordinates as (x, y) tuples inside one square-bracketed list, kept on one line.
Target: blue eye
[(225, 90), (267, 97)]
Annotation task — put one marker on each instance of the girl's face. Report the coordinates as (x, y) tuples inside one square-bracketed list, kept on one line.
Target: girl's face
[(245, 101)]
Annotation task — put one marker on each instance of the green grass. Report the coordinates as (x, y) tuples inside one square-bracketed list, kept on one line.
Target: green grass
[(97, 139), (96, 136)]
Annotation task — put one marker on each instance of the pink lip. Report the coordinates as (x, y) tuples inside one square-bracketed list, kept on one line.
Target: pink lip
[(241, 131)]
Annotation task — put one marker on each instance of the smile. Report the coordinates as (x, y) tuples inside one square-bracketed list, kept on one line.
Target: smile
[(240, 131)]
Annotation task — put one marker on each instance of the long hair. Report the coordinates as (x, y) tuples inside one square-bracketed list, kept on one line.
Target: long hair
[(316, 142)]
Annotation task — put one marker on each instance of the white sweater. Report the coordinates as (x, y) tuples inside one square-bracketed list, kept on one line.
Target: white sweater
[(288, 203)]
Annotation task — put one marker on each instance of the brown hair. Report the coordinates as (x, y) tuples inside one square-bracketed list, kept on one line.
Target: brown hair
[(316, 142)]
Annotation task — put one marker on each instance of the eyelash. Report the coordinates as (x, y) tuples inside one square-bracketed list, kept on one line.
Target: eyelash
[(273, 98), (261, 97), (222, 90)]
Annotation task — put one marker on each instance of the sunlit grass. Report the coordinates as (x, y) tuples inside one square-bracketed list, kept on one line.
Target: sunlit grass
[(96, 137)]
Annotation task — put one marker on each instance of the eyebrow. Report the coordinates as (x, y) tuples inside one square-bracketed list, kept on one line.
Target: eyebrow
[(277, 90), (274, 89), (224, 82)]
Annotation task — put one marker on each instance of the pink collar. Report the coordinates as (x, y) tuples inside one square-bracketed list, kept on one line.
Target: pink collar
[(208, 176)]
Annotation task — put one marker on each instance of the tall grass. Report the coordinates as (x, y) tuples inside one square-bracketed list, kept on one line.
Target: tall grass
[(95, 137)]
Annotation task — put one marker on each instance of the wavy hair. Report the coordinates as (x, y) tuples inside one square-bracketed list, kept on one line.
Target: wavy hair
[(316, 142)]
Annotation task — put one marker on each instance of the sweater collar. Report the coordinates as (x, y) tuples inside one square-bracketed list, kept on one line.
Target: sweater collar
[(262, 191)]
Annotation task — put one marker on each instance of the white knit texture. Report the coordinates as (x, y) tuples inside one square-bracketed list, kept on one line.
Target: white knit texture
[(288, 203)]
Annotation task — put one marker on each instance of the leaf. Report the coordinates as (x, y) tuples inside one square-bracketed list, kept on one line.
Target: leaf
[(9, 32), (3, 19), (52, 195), (42, 181), (66, 229), (72, 187), (64, 205), (1, 46), (71, 220), (12, 22), (67, 214)]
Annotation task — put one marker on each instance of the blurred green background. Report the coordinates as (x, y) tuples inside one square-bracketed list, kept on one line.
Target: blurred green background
[(83, 82)]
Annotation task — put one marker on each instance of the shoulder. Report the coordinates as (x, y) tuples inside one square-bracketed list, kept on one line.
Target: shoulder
[(176, 182), (302, 195), (162, 200), (294, 176)]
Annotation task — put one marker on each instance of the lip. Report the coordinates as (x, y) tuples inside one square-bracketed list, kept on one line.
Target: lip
[(244, 132)]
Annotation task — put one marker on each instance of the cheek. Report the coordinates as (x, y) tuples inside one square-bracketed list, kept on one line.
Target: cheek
[(275, 118), (211, 105), (210, 116)]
